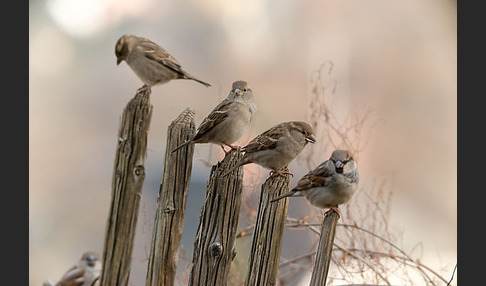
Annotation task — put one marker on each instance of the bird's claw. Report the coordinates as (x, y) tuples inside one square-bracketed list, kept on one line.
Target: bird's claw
[(145, 87), (333, 209), (275, 173)]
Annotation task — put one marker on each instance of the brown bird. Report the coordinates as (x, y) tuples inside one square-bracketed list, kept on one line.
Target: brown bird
[(85, 273), (329, 185), (275, 148), (229, 120), (150, 62)]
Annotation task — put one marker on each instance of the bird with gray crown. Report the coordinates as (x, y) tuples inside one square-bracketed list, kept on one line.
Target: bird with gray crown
[(275, 148), (229, 120), (330, 184), (150, 62)]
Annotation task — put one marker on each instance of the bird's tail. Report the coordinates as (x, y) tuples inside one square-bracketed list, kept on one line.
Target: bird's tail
[(182, 145), (284, 196), (200, 81), (236, 166)]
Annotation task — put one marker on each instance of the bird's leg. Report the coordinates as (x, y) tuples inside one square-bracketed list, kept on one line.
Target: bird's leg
[(145, 87), (229, 145), (233, 147), (283, 172), (333, 209), (222, 147)]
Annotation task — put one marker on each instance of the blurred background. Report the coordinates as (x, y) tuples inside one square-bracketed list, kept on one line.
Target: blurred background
[(393, 63)]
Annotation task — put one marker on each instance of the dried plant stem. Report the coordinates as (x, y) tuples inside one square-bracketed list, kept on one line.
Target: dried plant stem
[(452, 276), (297, 258)]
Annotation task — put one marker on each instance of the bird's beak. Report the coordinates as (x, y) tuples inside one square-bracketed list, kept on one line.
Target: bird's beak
[(339, 164), (91, 260), (310, 138), (339, 167), (118, 61), (238, 92)]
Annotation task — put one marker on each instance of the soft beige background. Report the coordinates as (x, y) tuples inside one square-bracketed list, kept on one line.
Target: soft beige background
[(398, 57)]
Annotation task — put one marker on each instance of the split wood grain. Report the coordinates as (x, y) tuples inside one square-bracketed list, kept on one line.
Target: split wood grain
[(127, 182), (216, 233)]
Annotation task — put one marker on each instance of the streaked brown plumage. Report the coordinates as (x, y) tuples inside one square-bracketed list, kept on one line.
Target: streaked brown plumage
[(275, 148), (150, 62), (330, 184), (229, 120), (85, 273)]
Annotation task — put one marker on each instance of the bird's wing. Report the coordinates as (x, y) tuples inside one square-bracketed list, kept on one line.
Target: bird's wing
[(265, 141), (218, 115), (160, 55), (315, 178)]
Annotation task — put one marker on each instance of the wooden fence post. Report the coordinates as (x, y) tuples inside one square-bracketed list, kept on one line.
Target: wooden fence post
[(171, 202), (128, 177), (216, 234), (268, 235), (324, 250)]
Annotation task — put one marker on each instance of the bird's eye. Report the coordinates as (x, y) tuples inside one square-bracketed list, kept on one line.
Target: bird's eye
[(303, 132), (245, 90)]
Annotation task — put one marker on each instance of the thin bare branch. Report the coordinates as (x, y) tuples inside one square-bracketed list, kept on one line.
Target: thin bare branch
[(297, 258), (363, 261), (452, 277)]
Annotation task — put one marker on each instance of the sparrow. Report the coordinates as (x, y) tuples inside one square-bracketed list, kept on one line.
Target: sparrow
[(150, 62), (329, 185), (275, 148), (229, 120), (85, 273)]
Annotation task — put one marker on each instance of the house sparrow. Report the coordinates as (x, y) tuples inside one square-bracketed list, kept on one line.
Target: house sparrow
[(85, 273), (150, 62), (332, 183), (229, 120), (275, 148)]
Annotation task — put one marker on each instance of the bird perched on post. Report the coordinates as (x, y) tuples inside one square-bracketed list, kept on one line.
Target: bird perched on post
[(229, 120), (329, 185), (275, 148), (85, 273), (150, 62)]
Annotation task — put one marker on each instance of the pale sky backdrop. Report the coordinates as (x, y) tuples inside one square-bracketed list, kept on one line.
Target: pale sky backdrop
[(396, 57)]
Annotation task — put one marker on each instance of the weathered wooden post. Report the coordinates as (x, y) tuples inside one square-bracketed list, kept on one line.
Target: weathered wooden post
[(171, 202), (268, 235), (324, 250), (128, 177), (216, 234)]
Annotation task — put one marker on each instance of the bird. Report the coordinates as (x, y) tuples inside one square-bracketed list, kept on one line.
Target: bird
[(330, 184), (275, 148), (229, 120), (85, 273), (149, 61)]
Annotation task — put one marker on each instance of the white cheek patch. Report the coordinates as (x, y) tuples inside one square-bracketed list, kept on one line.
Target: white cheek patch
[(349, 166)]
